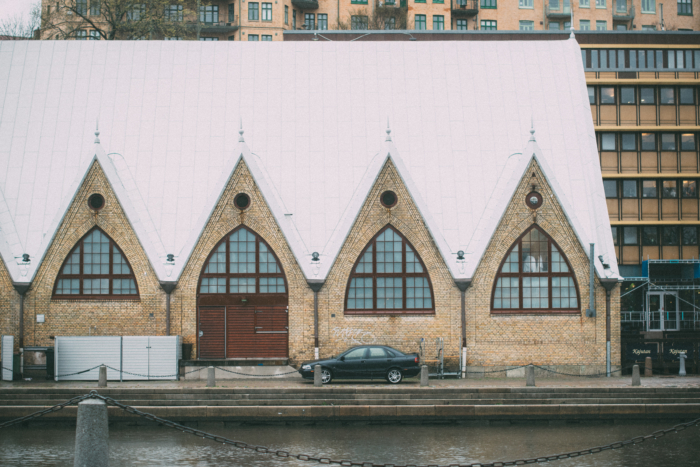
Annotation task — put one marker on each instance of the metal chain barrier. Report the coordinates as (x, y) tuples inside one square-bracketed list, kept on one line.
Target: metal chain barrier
[(255, 376), (583, 376), (326, 460)]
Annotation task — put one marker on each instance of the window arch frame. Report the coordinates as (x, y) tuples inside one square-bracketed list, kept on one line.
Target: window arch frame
[(257, 275), (549, 274), (81, 276), (403, 274)]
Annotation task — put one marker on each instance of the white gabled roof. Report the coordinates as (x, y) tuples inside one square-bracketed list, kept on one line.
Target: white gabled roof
[(314, 113)]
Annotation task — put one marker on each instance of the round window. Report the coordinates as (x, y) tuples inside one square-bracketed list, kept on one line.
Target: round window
[(533, 200), (388, 199), (96, 201), (241, 201)]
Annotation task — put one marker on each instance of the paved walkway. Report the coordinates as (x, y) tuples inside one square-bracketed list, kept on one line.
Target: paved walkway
[(287, 383)]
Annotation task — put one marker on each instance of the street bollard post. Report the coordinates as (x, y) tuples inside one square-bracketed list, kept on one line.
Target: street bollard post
[(102, 381), (635, 376), (318, 377), (647, 367), (211, 378), (92, 435), (424, 376), (682, 357), (530, 375)]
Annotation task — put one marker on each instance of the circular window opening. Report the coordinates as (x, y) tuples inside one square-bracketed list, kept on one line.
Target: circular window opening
[(241, 201), (533, 200), (96, 201), (388, 199)]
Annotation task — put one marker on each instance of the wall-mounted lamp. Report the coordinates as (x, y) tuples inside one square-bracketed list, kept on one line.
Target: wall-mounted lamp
[(315, 263), (460, 261), (24, 265), (169, 264)]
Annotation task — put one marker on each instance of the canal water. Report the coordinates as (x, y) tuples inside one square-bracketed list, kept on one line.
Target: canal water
[(52, 445)]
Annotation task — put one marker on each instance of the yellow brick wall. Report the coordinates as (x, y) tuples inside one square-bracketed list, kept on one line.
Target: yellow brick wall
[(145, 316), (9, 306), (513, 339), (258, 218)]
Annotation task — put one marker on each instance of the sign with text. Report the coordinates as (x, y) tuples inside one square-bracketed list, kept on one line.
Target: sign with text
[(637, 352), (672, 350)]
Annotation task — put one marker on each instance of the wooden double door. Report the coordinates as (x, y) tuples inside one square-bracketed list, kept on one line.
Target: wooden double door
[(243, 332)]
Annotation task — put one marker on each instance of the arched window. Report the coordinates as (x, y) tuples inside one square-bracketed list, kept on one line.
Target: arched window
[(242, 263), (535, 276), (96, 268), (389, 277)]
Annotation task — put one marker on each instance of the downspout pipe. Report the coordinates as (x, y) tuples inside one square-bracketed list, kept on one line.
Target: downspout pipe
[(315, 285), (463, 285), (609, 284), (168, 288), (21, 288), (590, 312)]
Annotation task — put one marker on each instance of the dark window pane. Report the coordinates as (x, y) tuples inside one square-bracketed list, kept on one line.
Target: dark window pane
[(607, 95), (629, 188), (627, 95), (646, 95), (650, 236), (670, 235), (668, 142), (690, 235), (686, 94), (688, 142), (669, 189), (629, 142), (591, 94), (608, 141), (630, 235), (690, 189), (610, 188), (666, 96), (649, 189), (614, 235), (648, 141)]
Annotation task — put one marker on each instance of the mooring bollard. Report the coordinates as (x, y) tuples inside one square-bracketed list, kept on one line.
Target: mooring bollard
[(530, 375), (211, 379), (647, 366), (424, 376), (635, 376), (102, 381), (318, 381), (92, 435), (682, 357)]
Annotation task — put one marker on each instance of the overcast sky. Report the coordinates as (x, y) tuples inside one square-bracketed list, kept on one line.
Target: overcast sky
[(9, 8)]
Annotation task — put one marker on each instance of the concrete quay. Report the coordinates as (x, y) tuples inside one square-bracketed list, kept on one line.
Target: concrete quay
[(274, 401)]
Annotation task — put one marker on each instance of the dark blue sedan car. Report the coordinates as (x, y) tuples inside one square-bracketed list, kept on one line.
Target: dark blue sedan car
[(365, 362)]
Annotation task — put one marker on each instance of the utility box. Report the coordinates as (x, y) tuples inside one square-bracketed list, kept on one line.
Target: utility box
[(7, 345)]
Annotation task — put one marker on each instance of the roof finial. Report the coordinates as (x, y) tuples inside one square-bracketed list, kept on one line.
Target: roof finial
[(97, 131), (240, 132), (532, 129), (388, 130)]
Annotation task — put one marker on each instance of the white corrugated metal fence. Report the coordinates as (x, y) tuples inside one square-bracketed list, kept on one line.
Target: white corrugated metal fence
[(7, 344)]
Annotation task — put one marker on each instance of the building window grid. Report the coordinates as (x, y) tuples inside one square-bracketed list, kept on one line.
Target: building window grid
[(173, 13), (489, 4), (322, 22), (209, 14), (640, 59), (309, 21), (359, 22), (488, 25), (462, 25), (242, 263), (253, 12), (685, 7), (438, 22), (95, 8), (420, 23), (648, 6), (526, 4), (389, 277), (286, 14), (267, 11), (541, 282), (96, 268)]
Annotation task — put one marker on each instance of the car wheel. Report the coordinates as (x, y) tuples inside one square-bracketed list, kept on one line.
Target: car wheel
[(326, 376), (394, 376)]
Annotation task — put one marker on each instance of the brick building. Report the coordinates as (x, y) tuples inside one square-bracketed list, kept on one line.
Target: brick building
[(266, 21), (315, 225)]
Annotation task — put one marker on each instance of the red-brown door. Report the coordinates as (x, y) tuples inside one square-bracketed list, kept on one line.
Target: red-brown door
[(256, 332), (212, 332)]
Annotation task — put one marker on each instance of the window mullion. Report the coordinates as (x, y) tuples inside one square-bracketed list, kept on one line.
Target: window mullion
[(82, 262), (109, 267), (549, 275), (521, 265), (374, 274)]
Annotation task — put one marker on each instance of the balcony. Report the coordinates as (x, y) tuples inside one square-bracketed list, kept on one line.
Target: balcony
[(623, 15), (305, 4), (465, 8), (560, 12), (219, 27)]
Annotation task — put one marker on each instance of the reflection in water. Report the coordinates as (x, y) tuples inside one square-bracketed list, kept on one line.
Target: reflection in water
[(400, 444)]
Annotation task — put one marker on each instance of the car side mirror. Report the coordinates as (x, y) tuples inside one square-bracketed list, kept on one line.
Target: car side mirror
[(342, 359)]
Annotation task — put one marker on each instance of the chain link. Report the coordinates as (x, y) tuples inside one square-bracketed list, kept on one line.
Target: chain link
[(326, 460), (256, 376), (583, 376)]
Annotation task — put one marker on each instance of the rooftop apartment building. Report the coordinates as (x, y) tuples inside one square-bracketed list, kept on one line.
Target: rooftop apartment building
[(217, 20)]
